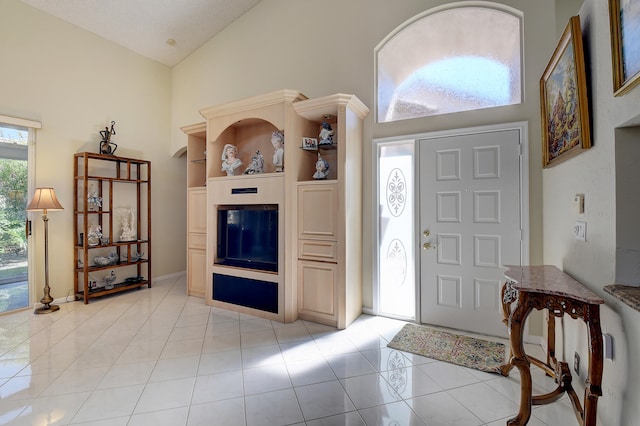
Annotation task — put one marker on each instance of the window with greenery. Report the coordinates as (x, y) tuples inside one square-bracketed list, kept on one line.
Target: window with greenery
[(458, 57), (13, 191)]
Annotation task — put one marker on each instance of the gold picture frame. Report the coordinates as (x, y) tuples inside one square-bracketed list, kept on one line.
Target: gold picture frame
[(624, 16), (563, 100)]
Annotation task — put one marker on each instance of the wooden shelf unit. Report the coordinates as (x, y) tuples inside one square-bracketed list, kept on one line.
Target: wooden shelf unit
[(114, 179)]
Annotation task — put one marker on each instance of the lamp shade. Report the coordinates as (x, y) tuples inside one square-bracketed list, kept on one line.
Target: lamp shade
[(44, 199)]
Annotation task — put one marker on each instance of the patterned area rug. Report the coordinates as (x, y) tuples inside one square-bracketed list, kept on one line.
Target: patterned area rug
[(467, 351)]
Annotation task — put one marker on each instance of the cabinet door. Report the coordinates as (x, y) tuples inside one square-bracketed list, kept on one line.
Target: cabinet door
[(197, 211), (196, 272), (317, 290), (318, 211)]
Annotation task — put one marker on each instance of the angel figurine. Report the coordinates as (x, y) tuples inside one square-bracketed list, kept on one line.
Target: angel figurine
[(128, 224), (94, 200), (94, 235)]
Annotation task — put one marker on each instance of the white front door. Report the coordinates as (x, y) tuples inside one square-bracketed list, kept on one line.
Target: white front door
[(470, 225)]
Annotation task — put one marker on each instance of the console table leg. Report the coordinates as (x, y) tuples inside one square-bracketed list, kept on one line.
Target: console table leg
[(519, 359), (593, 389), (551, 339)]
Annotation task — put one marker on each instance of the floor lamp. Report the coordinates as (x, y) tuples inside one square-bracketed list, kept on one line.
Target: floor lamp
[(45, 199)]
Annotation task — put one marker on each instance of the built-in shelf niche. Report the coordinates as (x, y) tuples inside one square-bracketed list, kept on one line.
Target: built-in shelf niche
[(627, 157), (248, 136), (311, 129), (196, 154)]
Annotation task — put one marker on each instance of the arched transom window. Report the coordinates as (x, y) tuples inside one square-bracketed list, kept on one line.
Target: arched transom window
[(459, 57)]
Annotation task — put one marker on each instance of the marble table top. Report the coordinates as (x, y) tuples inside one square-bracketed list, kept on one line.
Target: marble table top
[(626, 293), (548, 279)]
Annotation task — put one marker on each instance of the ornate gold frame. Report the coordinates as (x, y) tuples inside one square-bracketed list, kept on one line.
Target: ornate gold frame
[(622, 82), (563, 99)]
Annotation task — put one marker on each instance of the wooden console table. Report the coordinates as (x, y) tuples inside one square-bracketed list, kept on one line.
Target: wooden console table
[(547, 287)]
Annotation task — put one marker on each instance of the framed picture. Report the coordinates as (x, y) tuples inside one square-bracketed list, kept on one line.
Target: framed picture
[(310, 143), (563, 99), (624, 16)]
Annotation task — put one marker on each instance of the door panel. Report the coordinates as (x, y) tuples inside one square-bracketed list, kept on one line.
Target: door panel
[(470, 226)]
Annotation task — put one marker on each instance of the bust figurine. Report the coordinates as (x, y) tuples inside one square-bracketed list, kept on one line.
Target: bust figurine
[(326, 134), (229, 160), (277, 140), (322, 168)]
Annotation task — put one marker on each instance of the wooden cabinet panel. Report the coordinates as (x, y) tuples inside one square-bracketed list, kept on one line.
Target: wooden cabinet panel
[(317, 284), (197, 241), (318, 211), (318, 250), (197, 210), (196, 272)]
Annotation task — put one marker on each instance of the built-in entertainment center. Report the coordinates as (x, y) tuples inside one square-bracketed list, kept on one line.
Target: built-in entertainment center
[(283, 242)]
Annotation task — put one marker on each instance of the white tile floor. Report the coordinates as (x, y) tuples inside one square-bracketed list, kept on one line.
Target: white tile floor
[(157, 357)]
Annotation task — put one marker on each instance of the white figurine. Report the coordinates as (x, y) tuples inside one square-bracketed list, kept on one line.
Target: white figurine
[(326, 134), (93, 199), (109, 280), (256, 165), (229, 160), (277, 140), (322, 168), (128, 225), (94, 235)]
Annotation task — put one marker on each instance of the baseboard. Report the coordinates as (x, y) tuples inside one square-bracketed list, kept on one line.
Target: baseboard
[(170, 276), (368, 311), (60, 300)]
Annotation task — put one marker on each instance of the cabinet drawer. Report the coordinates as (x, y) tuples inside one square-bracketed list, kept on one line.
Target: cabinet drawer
[(318, 250), (197, 241), (266, 188)]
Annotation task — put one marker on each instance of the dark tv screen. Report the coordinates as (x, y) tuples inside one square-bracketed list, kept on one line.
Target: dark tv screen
[(248, 237)]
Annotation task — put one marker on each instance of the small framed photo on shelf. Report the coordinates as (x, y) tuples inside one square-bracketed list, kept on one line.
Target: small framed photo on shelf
[(310, 144)]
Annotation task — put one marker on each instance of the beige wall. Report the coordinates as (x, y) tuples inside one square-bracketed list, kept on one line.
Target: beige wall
[(594, 263), (75, 83)]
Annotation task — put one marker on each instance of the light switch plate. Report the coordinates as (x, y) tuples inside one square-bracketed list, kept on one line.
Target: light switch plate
[(580, 230)]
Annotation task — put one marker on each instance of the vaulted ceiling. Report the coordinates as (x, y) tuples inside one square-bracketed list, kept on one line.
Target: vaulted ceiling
[(164, 30)]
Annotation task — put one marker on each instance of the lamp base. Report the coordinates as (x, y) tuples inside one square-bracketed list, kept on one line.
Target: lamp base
[(46, 309)]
